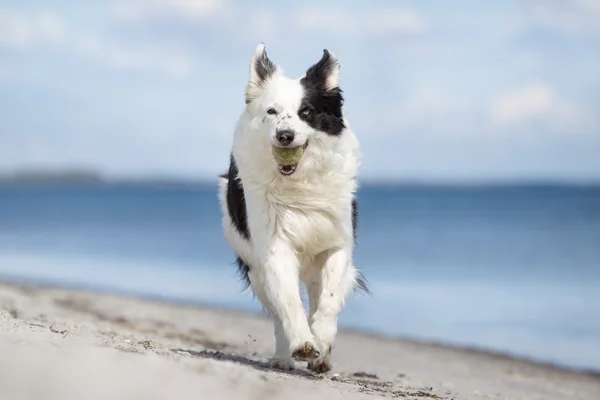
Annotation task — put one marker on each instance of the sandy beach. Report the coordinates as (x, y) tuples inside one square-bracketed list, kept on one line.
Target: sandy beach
[(67, 344)]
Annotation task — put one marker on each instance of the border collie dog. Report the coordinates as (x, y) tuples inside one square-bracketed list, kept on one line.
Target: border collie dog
[(295, 223)]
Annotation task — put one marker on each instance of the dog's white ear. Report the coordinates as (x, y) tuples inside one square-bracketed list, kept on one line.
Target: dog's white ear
[(261, 69), (325, 73)]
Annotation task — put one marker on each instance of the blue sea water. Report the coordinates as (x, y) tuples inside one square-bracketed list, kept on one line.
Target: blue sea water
[(508, 269)]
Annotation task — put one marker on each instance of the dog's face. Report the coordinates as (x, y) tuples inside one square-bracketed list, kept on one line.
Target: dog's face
[(294, 113)]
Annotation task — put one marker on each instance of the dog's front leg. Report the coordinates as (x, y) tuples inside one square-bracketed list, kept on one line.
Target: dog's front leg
[(332, 279), (275, 282)]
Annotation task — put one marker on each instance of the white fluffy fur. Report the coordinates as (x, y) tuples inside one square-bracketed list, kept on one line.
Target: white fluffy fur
[(300, 225)]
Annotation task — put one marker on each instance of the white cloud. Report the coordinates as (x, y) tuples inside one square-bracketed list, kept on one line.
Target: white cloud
[(178, 66), (536, 101), (576, 17), (318, 19), (396, 21), (428, 104), (20, 29), (380, 22), (532, 100), (422, 104), (269, 21), (136, 10), (427, 111), (589, 7), (118, 57), (263, 23)]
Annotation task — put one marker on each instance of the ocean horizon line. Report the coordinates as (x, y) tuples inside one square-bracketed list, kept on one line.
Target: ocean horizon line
[(80, 177)]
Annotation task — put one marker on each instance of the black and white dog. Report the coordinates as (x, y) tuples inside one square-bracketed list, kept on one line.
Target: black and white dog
[(295, 223)]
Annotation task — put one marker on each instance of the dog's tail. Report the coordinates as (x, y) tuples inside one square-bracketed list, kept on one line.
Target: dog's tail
[(362, 284)]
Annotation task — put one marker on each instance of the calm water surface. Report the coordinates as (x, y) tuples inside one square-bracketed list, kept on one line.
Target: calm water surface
[(512, 269)]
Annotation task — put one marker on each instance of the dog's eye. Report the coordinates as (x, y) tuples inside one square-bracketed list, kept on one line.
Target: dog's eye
[(306, 112), (272, 111)]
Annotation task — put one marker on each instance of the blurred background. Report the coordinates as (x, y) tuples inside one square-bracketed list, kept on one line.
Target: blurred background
[(480, 129)]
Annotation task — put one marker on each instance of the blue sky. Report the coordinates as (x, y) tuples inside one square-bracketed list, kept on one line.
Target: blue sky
[(435, 90)]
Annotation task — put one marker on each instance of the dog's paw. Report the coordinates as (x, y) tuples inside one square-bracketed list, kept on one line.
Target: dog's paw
[(281, 363), (305, 352), (319, 366)]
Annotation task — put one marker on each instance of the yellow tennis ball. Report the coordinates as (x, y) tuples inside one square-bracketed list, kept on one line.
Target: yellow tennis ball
[(287, 155)]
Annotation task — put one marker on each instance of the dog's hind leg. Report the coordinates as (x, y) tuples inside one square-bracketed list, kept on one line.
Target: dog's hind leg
[(275, 282), (329, 283)]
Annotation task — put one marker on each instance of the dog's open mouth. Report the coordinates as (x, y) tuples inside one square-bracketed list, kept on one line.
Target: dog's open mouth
[(287, 169), (287, 158)]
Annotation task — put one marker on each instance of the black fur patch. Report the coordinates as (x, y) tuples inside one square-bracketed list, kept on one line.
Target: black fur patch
[(264, 67), (236, 203), (243, 270), (321, 108), (362, 283), (236, 206)]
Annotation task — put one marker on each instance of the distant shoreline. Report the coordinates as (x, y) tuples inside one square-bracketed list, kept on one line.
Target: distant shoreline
[(90, 177), (98, 181)]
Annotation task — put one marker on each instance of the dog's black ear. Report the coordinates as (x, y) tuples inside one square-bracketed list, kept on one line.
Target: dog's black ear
[(261, 69), (326, 73)]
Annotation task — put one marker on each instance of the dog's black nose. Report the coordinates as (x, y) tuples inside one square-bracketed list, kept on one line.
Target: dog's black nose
[(285, 137)]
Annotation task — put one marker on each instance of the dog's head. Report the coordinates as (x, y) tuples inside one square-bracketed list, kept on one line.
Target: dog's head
[(291, 113)]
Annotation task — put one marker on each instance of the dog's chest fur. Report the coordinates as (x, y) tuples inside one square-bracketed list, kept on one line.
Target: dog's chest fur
[(312, 220), (314, 215)]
